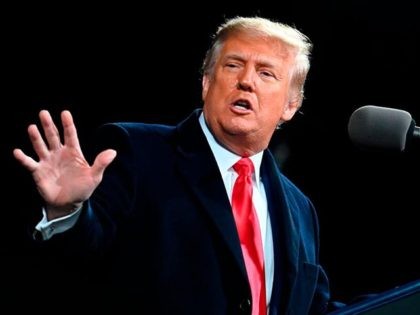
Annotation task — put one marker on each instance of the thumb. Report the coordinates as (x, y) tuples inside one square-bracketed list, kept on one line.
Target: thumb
[(102, 161)]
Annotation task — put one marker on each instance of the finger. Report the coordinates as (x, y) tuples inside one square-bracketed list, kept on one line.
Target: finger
[(70, 132), (50, 130), (38, 143), (28, 162), (101, 163)]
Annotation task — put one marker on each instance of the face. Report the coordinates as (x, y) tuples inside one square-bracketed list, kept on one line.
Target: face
[(249, 93)]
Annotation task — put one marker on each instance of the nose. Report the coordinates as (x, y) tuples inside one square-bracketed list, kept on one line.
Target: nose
[(244, 86), (246, 80)]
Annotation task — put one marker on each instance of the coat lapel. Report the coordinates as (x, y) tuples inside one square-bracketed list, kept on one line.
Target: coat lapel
[(198, 166), (284, 223)]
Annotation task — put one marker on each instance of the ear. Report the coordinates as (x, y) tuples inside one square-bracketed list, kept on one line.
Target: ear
[(291, 108), (205, 86)]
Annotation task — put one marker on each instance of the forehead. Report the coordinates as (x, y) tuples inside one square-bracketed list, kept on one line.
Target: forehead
[(257, 47)]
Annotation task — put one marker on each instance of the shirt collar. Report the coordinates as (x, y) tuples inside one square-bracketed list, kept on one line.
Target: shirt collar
[(226, 159)]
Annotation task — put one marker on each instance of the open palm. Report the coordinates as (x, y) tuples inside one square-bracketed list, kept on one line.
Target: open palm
[(62, 175)]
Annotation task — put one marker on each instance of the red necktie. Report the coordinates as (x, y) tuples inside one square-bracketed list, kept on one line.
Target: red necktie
[(249, 234)]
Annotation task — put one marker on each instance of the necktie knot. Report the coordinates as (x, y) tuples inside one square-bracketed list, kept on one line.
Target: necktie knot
[(244, 167)]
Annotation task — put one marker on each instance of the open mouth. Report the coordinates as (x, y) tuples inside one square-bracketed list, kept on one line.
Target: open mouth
[(242, 105)]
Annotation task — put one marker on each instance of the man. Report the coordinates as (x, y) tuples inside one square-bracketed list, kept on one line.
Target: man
[(165, 211)]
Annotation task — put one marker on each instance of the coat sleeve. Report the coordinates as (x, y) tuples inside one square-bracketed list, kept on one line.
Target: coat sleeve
[(111, 202)]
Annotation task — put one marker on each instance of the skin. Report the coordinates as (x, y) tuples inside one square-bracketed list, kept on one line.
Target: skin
[(62, 175), (256, 70)]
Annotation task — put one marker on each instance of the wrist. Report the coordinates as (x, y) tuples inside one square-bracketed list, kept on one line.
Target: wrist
[(58, 212)]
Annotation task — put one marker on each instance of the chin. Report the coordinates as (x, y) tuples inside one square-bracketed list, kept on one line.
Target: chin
[(240, 129), (241, 124)]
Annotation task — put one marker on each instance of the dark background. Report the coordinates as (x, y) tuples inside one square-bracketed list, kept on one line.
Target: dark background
[(122, 63)]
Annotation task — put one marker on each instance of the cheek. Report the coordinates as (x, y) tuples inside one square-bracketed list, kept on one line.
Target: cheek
[(273, 102), (220, 90), (273, 109), (225, 79)]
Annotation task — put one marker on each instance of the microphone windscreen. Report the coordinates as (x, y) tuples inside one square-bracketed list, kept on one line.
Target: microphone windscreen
[(380, 127)]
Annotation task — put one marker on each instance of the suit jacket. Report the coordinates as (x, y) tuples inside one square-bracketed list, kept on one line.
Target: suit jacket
[(162, 220)]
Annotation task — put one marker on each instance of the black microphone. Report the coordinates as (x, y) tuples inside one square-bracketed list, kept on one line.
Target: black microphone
[(382, 128)]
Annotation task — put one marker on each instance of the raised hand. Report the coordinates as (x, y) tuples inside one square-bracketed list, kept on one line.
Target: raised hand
[(62, 175)]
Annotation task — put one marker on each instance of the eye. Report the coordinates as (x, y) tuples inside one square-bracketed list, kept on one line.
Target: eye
[(232, 65), (267, 74)]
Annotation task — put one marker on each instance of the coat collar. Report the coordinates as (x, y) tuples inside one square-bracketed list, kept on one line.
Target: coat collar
[(197, 164)]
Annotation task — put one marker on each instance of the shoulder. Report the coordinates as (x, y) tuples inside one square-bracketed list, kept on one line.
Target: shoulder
[(295, 195), (295, 200), (137, 129), (133, 137), (292, 189), (134, 132), (292, 193)]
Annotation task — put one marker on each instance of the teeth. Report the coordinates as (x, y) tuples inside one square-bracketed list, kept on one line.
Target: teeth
[(242, 104), (240, 107)]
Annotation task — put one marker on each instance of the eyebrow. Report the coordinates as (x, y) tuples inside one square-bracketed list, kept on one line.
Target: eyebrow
[(238, 57)]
